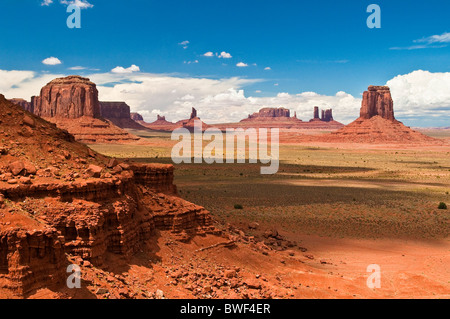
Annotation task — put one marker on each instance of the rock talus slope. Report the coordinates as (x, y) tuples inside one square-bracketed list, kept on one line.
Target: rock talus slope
[(60, 200)]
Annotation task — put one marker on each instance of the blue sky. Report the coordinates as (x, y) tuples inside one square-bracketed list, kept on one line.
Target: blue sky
[(310, 46)]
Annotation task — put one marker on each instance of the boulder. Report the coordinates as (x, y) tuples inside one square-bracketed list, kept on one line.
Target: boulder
[(16, 168), (94, 171)]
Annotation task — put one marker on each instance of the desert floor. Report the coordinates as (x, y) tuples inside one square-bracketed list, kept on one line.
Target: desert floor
[(347, 206)]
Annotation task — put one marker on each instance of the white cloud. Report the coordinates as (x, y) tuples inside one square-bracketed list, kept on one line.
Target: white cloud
[(23, 84), (46, 2), (184, 44), (51, 61), (267, 68), (208, 54), (76, 68), (421, 94), (82, 4), (241, 64), (441, 38), (431, 42), (225, 55), (122, 70)]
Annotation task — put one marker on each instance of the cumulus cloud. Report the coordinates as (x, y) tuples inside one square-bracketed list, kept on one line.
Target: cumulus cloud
[(23, 84), (46, 2), (241, 65), (51, 61), (208, 54), (225, 55), (421, 94), (122, 70)]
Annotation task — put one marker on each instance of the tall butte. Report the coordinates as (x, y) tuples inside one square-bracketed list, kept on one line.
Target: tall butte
[(72, 104), (377, 123), (377, 100)]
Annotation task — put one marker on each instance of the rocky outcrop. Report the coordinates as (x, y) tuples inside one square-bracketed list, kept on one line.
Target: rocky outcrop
[(161, 124), (115, 110), (327, 115), (70, 97), (59, 199), (27, 106), (31, 259), (316, 113), (270, 112), (136, 116), (377, 100), (119, 114), (193, 114)]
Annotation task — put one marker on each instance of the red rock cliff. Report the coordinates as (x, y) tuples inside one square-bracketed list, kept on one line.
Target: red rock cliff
[(70, 97), (377, 100)]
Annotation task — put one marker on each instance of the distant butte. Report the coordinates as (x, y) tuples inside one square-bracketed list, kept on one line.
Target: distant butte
[(119, 114), (377, 123)]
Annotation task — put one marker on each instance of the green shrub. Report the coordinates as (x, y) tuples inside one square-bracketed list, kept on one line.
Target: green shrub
[(442, 205), (238, 206)]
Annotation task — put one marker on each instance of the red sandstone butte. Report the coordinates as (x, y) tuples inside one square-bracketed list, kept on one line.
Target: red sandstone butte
[(270, 112), (72, 104), (136, 116), (377, 100), (119, 114), (70, 97), (27, 106), (377, 124)]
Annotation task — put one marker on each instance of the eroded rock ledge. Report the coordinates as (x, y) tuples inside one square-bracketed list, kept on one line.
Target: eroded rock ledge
[(88, 218)]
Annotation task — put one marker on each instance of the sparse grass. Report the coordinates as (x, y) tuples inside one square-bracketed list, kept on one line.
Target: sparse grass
[(324, 191)]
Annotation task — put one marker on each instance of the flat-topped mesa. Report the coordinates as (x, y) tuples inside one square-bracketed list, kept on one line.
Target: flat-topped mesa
[(70, 97), (115, 110), (136, 116), (119, 114), (271, 112), (377, 100)]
